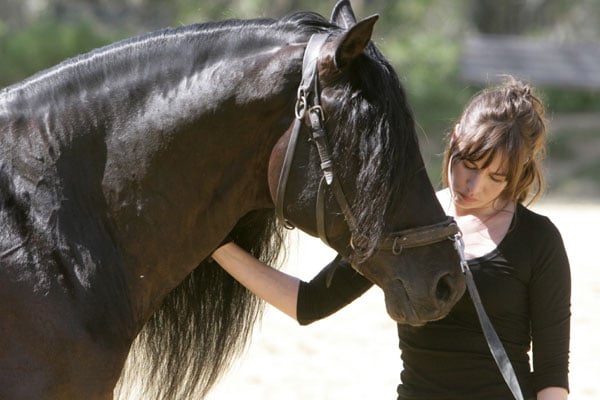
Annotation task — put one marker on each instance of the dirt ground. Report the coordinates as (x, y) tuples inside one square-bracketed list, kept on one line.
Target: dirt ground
[(354, 354)]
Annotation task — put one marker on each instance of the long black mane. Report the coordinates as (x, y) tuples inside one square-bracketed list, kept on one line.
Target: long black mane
[(376, 126), (151, 47), (204, 323)]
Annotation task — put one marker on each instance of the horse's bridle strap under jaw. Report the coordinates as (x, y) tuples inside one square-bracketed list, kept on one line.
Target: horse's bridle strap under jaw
[(421, 236)]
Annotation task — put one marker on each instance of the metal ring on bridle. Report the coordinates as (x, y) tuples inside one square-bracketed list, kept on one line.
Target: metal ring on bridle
[(300, 107), (396, 247), (319, 110), (353, 241), (287, 225)]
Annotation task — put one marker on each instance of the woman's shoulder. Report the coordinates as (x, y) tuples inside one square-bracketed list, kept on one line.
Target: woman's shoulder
[(532, 222), (531, 216)]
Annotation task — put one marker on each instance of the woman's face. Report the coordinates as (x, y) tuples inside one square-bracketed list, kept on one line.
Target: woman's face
[(474, 187)]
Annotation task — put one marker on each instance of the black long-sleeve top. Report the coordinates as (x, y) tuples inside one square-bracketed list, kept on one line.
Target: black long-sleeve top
[(525, 288)]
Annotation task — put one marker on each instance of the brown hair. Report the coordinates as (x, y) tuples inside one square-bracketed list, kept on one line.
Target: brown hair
[(506, 120)]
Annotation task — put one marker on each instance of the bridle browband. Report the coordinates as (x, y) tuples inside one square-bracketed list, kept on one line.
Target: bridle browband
[(308, 103)]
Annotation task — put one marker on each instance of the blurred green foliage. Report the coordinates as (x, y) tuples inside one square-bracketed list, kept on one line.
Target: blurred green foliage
[(421, 38), (43, 44), (567, 101)]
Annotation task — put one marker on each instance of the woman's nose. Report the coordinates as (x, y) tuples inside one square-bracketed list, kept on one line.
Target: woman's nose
[(473, 181)]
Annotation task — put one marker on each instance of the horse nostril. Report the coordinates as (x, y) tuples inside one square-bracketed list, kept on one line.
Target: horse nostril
[(443, 290)]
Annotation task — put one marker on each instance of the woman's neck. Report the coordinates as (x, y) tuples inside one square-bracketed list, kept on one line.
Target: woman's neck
[(484, 228)]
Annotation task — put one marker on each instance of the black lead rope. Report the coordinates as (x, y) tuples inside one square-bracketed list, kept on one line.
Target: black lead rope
[(493, 341)]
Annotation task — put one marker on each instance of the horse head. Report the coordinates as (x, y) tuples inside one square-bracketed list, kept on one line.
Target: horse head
[(349, 170)]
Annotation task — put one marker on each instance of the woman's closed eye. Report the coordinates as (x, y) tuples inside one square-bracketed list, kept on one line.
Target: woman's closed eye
[(470, 165), (498, 178)]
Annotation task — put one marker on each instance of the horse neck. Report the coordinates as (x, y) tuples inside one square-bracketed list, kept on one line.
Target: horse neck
[(191, 70), (181, 133), (198, 143)]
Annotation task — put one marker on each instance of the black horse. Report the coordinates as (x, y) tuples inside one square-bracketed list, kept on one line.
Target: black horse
[(123, 169)]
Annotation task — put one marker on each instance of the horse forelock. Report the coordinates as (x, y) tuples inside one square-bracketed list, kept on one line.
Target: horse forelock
[(375, 127)]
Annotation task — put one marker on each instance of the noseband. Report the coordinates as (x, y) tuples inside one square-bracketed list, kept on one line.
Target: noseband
[(308, 101)]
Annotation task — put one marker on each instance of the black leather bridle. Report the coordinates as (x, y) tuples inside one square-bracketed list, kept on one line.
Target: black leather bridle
[(308, 101)]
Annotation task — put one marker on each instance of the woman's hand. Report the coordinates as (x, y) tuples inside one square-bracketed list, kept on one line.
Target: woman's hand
[(553, 393)]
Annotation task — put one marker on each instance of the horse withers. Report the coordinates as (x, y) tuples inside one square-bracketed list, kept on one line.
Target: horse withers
[(121, 170)]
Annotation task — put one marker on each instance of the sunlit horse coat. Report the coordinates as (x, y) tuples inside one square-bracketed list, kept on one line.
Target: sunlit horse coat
[(122, 169)]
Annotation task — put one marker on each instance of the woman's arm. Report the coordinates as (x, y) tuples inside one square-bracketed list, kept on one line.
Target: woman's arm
[(553, 393), (550, 313), (273, 286)]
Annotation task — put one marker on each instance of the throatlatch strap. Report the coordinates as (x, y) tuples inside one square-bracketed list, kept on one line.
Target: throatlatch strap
[(285, 173), (320, 212)]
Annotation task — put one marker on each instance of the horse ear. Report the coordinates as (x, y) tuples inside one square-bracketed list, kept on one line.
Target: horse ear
[(354, 41), (342, 14)]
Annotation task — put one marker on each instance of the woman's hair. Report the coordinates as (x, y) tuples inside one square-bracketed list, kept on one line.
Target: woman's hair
[(507, 120)]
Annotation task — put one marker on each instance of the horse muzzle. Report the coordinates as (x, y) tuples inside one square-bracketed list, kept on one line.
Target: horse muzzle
[(416, 306), (416, 289)]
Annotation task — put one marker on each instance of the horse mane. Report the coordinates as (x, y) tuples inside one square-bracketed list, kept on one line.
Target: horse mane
[(383, 140), (202, 325)]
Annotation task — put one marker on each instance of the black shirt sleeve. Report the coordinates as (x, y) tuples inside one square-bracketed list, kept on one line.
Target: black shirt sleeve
[(550, 311), (336, 286)]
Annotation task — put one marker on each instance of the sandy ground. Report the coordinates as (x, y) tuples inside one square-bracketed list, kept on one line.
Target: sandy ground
[(354, 354)]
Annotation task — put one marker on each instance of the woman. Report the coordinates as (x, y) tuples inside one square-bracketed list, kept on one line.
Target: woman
[(492, 168)]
